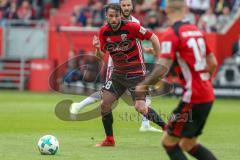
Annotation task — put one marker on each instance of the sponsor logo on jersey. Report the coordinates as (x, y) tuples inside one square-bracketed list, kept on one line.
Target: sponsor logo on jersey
[(124, 37), (108, 39), (116, 47)]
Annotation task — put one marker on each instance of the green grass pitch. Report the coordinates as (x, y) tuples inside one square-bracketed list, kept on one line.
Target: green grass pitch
[(26, 116)]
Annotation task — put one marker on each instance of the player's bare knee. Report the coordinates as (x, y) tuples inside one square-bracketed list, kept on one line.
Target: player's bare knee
[(163, 141), (187, 144), (168, 140), (105, 107), (184, 146)]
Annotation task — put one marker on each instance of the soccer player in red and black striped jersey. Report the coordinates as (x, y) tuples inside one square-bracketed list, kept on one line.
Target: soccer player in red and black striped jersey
[(127, 8), (186, 44), (120, 39)]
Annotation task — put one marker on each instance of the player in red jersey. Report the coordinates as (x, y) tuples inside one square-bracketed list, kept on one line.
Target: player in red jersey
[(127, 8), (120, 39), (186, 44)]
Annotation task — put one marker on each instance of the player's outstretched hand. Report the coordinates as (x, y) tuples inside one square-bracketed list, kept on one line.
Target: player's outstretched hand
[(141, 104), (149, 50), (96, 42)]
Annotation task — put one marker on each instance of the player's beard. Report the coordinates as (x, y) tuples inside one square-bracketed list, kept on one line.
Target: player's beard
[(126, 15), (116, 26)]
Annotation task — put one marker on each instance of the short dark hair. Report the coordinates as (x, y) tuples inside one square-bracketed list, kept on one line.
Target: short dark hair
[(113, 6), (123, 0), (133, 2)]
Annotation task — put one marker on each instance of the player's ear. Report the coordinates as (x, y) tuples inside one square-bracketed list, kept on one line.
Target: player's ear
[(105, 10), (133, 5)]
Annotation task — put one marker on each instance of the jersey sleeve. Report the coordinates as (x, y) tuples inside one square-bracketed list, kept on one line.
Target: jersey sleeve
[(140, 32), (135, 20), (101, 39), (169, 44)]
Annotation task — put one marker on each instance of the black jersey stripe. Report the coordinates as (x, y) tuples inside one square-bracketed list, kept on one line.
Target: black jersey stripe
[(130, 67), (117, 33), (134, 58)]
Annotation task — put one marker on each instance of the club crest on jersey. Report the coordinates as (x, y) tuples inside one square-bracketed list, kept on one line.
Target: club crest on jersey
[(124, 37), (108, 39)]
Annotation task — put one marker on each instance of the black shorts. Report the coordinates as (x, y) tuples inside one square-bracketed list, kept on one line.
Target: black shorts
[(188, 119), (118, 84)]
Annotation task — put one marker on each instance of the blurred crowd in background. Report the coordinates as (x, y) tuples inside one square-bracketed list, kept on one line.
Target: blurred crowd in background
[(26, 9), (209, 15)]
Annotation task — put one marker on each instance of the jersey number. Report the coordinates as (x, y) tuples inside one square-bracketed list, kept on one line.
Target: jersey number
[(108, 85), (199, 51)]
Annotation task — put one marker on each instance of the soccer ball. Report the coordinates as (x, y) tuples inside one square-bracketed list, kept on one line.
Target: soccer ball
[(48, 145)]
